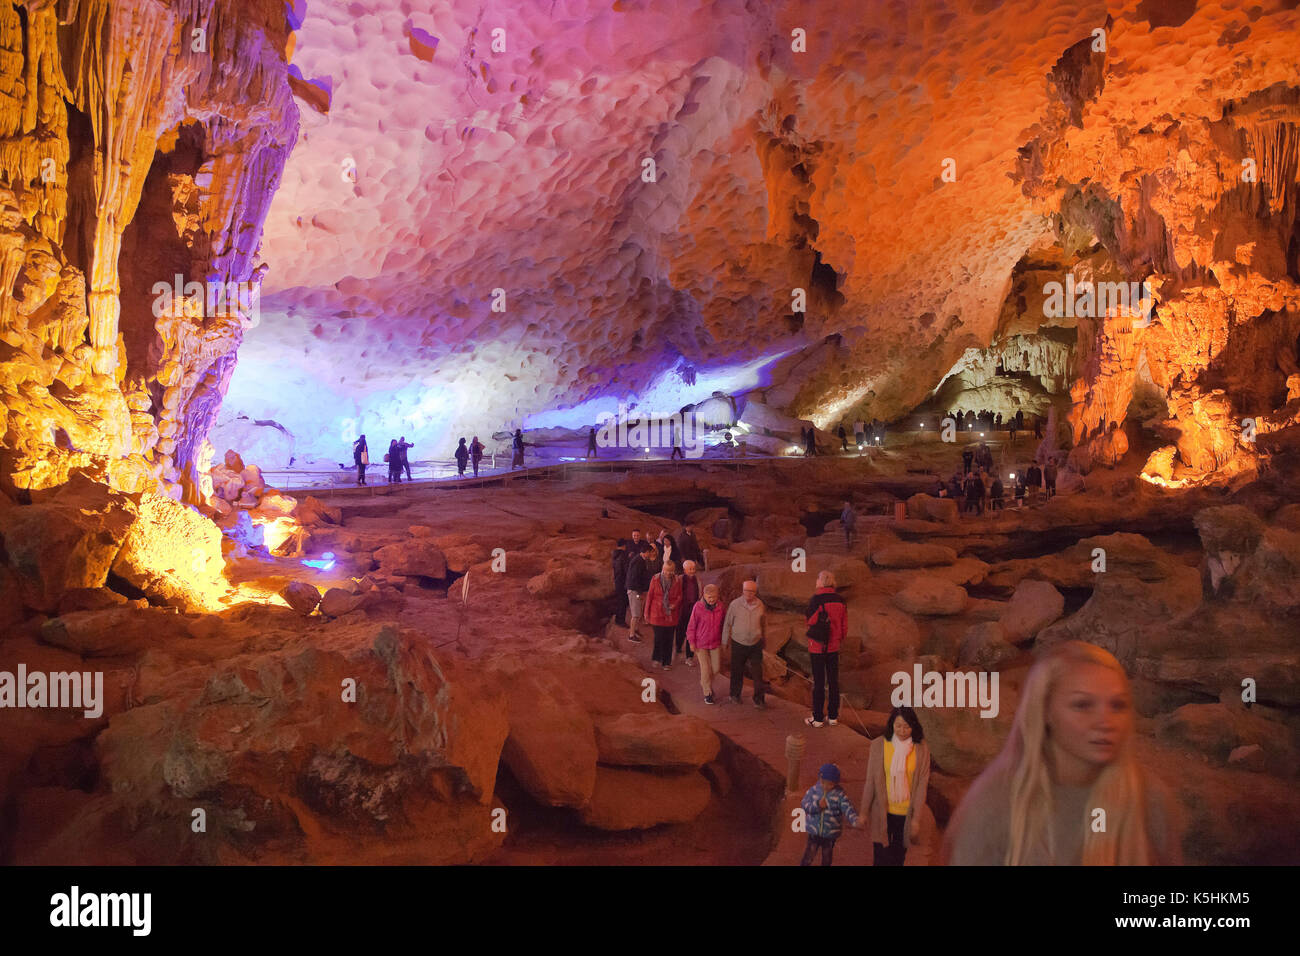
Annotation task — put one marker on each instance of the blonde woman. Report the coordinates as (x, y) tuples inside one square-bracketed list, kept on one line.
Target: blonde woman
[(1067, 788), (898, 778)]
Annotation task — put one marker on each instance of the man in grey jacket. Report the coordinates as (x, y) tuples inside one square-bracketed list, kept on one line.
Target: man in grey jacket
[(746, 630)]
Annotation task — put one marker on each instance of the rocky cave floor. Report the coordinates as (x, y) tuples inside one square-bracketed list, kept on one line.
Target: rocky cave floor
[(523, 697)]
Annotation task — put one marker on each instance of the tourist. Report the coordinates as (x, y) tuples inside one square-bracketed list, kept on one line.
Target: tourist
[(618, 562), (849, 522), (1038, 427), (1011, 430), (462, 458), (394, 463), (974, 495), (810, 442), (967, 456), (745, 629), (828, 621), (898, 775), (403, 462), (690, 545), (667, 545), (476, 449), (654, 560), (997, 422), (361, 456), (1034, 479), (1019, 478), (641, 547), (690, 596), (673, 431), (517, 460), (662, 609), (1049, 477), (859, 432), (591, 444), (955, 490), (704, 634), (1071, 750), (984, 457), (637, 582), (844, 438), (826, 806), (997, 493)]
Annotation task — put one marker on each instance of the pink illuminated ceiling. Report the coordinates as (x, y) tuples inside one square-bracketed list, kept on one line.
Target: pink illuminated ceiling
[(434, 170)]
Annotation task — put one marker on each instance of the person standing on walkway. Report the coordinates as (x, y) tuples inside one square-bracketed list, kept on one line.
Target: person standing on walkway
[(810, 444), (967, 456), (826, 806), (517, 446), (690, 546), (404, 462), (690, 597), (997, 493), (828, 623), (361, 456), (1034, 479), (394, 463), (618, 565), (462, 458), (663, 609), (704, 634), (591, 444), (745, 629), (844, 437), (898, 777), (476, 449), (637, 582), (1049, 477), (849, 522), (859, 433)]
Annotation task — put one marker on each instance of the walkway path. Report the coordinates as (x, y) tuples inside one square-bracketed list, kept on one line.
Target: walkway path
[(763, 733)]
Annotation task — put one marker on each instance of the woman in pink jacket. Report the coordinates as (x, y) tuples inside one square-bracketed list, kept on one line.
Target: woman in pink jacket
[(705, 635), (663, 610)]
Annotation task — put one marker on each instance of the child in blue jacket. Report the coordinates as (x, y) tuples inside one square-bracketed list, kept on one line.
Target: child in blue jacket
[(825, 808)]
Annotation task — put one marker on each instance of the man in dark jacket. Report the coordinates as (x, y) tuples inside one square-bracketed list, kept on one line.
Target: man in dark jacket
[(997, 492), (974, 494), (402, 461), (1034, 479), (690, 546), (637, 582), (828, 623), (619, 562), (966, 457)]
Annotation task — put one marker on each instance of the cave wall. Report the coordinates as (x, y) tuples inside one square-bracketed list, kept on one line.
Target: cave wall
[(138, 141), (1194, 191)]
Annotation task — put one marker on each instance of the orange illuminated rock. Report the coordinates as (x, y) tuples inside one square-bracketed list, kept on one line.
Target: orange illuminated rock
[(637, 799)]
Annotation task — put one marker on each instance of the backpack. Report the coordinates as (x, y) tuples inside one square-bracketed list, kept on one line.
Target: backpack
[(820, 629)]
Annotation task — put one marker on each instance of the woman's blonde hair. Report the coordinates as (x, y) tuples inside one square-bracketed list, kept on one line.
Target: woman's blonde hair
[(1118, 789), (669, 567)]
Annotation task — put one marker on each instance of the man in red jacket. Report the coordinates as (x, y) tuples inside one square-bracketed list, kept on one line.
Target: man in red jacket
[(828, 622)]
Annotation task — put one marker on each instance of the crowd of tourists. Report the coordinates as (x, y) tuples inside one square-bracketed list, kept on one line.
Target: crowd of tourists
[(1077, 688), (978, 486)]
